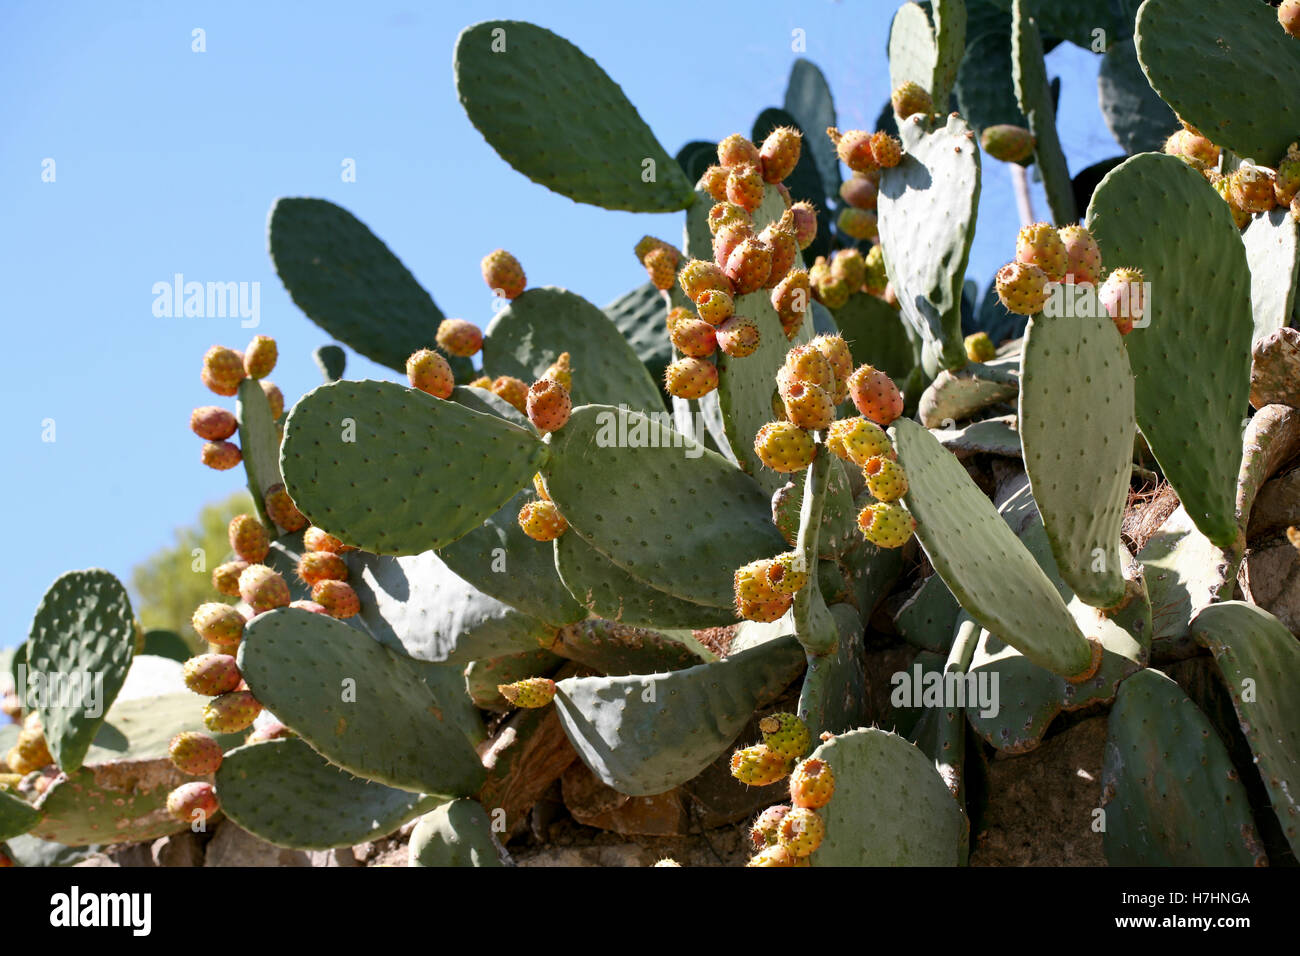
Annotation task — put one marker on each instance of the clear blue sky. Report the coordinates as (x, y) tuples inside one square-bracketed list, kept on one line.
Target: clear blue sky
[(167, 161)]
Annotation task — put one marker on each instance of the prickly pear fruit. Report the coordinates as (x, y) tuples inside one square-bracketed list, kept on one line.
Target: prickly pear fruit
[(676, 314), (790, 299), (560, 371), (857, 223), (230, 713), (1011, 144), (859, 192), (979, 347), (213, 423), (749, 265), (764, 612), (784, 447), (315, 566), (274, 398), (29, 752), (281, 509), (886, 150), (758, 766), (1122, 295), (807, 364), (1287, 182), (218, 624), (337, 598), (1222, 186), (784, 193), (260, 356), (661, 265), (738, 336), (262, 589), (714, 182), (804, 217), (736, 150), (270, 730), (690, 378), (1288, 14), (428, 371), (726, 214), (248, 538), (666, 861), (225, 577), (1082, 254), (220, 455), (874, 276), (223, 370), (886, 479), (211, 674), (812, 784), (316, 539), (1040, 245), (539, 486), (779, 153), (875, 395), (854, 148), (503, 274), (801, 831), (698, 277), (830, 291), (727, 239), (310, 606), (858, 440), (745, 187), (787, 573), (195, 753), (1193, 149), (808, 406), (773, 856), (542, 521), (529, 692), (193, 803), (458, 337), (750, 582), (784, 248), (549, 404), (785, 734), (512, 390), (715, 307), (886, 525), (1022, 288), (911, 98), (1251, 187), (850, 266), (763, 831)]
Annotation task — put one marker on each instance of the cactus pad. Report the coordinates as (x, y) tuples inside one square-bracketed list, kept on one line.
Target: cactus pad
[(457, 833)]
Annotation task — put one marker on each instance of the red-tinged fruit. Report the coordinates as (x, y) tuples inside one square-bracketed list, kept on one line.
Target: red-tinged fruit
[(808, 406), (529, 692), (738, 336), (260, 356), (750, 582), (428, 371), (763, 831), (875, 395), (764, 612), (1193, 149), (193, 803), (512, 390), (549, 405), (542, 521), (1123, 295), (1022, 288), (773, 856), (194, 753), (805, 223), (714, 307), (458, 337), (1251, 188), (337, 598), (220, 624), (1011, 144), (1287, 182), (758, 766), (749, 265), (223, 370), (225, 578), (779, 153), (745, 187), (698, 277), (886, 150), (736, 150), (1082, 254), (801, 831), (503, 274), (317, 539), (212, 674), (714, 182), (790, 298), (230, 713), (281, 509), (274, 398), (857, 223), (263, 589), (690, 378), (309, 606), (859, 192), (724, 214), (784, 248), (807, 364), (694, 337), (661, 265), (853, 148), (812, 784), (1288, 14), (248, 538), (317, 566), (911, 98), (1041, 245), (213, 423), (220, 455), (858, 440), (727, 239)]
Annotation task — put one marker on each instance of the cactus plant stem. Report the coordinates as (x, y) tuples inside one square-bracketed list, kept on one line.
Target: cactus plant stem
[(810, 519), (259, 444), (965, 640)]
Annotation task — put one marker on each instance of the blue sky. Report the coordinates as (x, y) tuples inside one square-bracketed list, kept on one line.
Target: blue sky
[(167, 160)]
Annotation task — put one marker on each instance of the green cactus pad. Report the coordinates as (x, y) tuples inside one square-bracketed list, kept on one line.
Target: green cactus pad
[(988, 570), (259, 444), (607, 591), (528, 335), (1137, 117), (163, 643), (553, 114), (441, 469), (941, 730), (1170, 792), (913, 50), (653, 510), (356, 703), (483, 676), (878, 336), (1190, 399), (1079, 470), (956, 396), (927, 206), (1273, 252), (928, 619), (985, 93), (1214, 62), (1029, 74), (332, 362), (891, 807), (457, 833), (993, 436), (808, 99), (503, 562), (345, 280), (141, 728), (834, 697), (644, 735), (481, 400), (618, 650), (1260, 663), (16, 816), (84, 626), (1184, 572), (418, 606), (289, 795), (1077, 21), (34, 852), (639, 315)]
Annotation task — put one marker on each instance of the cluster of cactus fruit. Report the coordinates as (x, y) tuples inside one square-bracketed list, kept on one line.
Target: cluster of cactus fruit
[(594, 554)]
